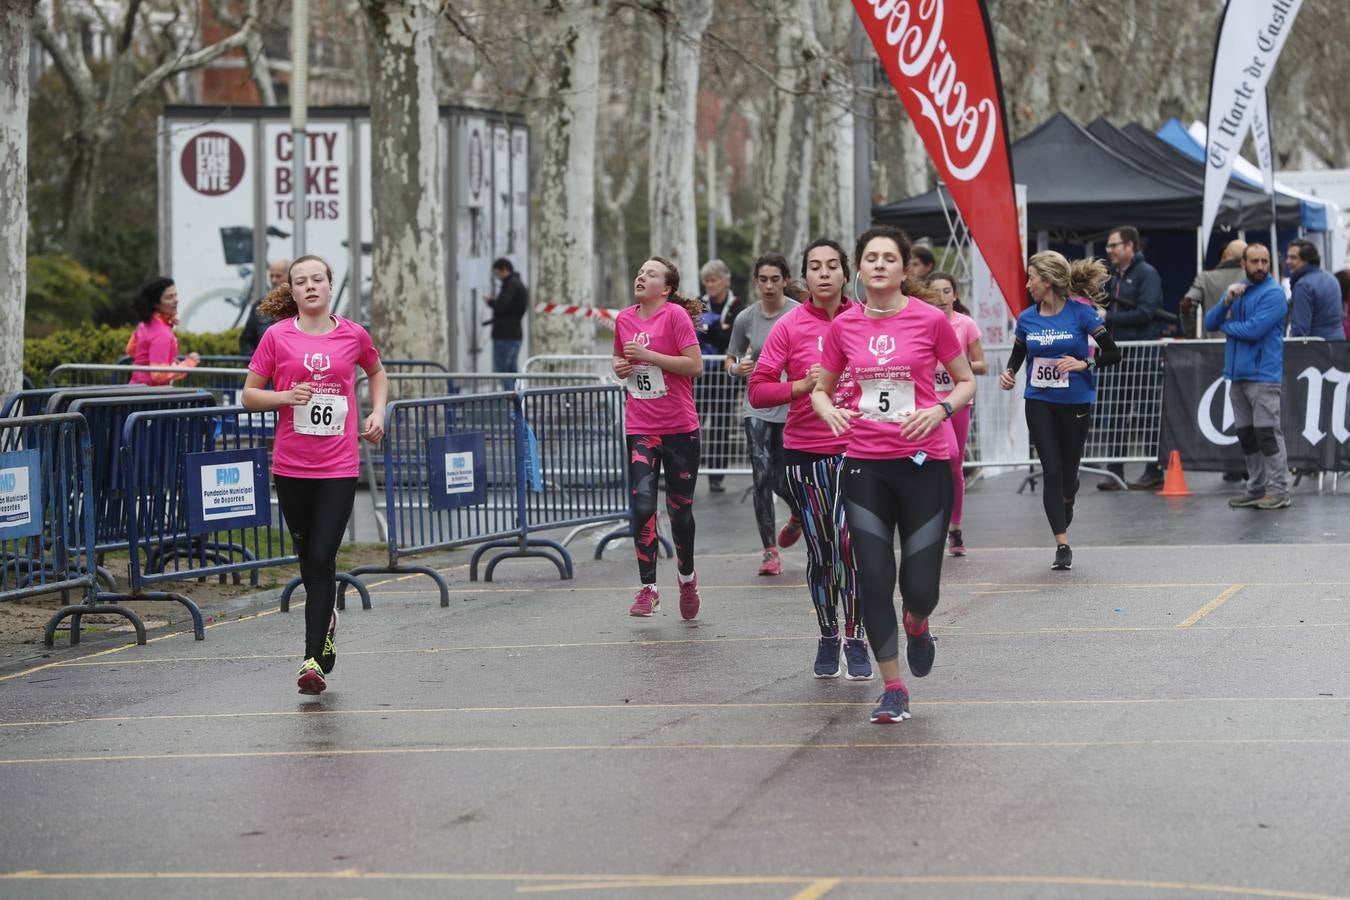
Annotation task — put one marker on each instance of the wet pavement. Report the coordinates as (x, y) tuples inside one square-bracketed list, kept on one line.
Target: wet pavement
[(1171, 718)]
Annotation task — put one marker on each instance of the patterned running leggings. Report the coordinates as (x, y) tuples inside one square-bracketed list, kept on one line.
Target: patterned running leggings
[(764, 441), (813, 482), (647, 453)]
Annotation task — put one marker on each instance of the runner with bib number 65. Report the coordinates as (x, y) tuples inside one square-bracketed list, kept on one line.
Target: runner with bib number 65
[(1052, 337), (310, 356), (896, 473)]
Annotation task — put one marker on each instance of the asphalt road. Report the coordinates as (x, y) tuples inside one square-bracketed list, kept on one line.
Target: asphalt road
[(1170, 719)]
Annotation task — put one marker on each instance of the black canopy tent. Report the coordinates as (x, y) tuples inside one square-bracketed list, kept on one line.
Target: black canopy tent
[(1079, 186)]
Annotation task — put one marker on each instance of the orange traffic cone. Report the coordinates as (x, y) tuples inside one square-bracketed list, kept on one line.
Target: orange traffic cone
[(1175, 484)]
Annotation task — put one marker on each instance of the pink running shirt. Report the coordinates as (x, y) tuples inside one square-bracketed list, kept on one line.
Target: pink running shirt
[(967, 333), (893, 361), (794, 345), (317, 440), (155, 345), (659, 402)]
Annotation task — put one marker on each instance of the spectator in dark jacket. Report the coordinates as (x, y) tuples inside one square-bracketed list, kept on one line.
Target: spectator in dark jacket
[(1134, 298), (509, 306), (277, 272), (1317, 307)]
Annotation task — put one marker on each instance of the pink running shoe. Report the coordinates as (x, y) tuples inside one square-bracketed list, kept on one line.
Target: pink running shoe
[(689, 599), (788, 534), (646, 602), (771, 564)]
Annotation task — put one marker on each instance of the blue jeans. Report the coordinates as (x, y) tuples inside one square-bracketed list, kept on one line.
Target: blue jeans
[(505, 355)]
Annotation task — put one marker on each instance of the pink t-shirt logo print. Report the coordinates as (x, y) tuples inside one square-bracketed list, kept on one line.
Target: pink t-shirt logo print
[(318, 365), (642, 338), (882, 346)]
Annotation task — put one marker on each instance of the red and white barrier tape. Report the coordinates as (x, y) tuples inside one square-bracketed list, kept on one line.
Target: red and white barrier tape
[(588, 312)]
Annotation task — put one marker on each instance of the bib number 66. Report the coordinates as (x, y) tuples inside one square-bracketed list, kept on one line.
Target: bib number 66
[(320, 415)]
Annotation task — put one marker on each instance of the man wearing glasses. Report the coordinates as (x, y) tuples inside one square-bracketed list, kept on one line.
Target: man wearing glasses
[(1134, 299)]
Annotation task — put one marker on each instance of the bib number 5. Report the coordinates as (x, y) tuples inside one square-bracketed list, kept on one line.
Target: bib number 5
[(886, 400)]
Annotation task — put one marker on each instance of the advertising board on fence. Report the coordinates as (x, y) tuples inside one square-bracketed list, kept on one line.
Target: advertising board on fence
[(458, 470), (1198, 416), (227, 490), (20, 495)]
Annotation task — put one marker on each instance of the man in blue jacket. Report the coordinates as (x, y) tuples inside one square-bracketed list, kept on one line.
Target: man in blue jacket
[(1251, 316), (1317, 294)]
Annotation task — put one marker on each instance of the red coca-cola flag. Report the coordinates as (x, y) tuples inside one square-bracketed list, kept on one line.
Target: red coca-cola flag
[(940, 57)]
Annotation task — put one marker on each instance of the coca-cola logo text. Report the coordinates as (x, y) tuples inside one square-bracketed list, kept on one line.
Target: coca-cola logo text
[(966, 126)]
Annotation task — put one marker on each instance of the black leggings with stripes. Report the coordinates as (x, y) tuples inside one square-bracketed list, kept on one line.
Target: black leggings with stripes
[(647, 454), (764, 444), (881, 496)]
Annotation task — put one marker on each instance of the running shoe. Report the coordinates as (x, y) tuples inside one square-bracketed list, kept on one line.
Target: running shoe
[(715, 484), (328, 658), (1243, 502), (892, 707), (1063, 559), (956, 546), (920, 649), (689, 599), (771, 564), (1274, 502), (788, 534), (855, 655), (311, 680), (827, 658), (646, 602)]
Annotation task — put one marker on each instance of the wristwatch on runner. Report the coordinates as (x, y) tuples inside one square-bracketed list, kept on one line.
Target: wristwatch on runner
[(951, 410)]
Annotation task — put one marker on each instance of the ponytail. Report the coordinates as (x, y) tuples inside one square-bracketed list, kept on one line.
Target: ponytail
[(279, 304)]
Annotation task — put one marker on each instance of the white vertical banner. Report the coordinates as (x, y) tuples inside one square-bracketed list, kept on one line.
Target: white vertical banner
[(1261, 139), (1251, 37), (998, 419)]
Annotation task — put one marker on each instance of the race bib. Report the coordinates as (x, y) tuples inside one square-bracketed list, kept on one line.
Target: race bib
[(647, 382), (1045, 375), (942, 380), (323, 416), (886, 399)]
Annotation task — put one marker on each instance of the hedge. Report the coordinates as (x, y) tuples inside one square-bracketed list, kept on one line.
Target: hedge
[(106, 345)]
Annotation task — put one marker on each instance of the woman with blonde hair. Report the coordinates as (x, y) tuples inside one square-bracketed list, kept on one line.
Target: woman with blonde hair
[(1052, 338)]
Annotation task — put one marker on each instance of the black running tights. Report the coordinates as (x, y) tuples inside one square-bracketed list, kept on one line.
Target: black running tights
[(880, 496), (316, 512), (1059, 431)]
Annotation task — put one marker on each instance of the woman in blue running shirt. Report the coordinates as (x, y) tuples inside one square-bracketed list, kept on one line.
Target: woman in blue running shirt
[(1052, 338)]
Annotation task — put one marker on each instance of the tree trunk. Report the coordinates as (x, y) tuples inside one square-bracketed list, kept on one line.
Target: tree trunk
[(14, 18), (564, 127), (409, 311), (834, 124), (784, 169), (672, 141)]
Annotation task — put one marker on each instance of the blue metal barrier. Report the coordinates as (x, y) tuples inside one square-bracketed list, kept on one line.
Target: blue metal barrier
[(47, 536), (157, 460), (414, 524)]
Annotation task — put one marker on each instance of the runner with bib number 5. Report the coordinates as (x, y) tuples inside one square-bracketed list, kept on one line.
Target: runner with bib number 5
[(1052, 337), (896, 473), (310, 356)]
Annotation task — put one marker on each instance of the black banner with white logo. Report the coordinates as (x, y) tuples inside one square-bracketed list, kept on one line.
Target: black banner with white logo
[(1198, 418)]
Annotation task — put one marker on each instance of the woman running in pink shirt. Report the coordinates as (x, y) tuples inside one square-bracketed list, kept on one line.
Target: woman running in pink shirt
[(311, 356), (153, 343), (896, 473), (656, 353), (943, 288), (812, 454)]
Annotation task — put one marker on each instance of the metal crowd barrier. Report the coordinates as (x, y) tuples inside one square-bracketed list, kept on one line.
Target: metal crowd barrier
[(157, 456), (719, 398), (413, 525), (47, 535), (418, 386)]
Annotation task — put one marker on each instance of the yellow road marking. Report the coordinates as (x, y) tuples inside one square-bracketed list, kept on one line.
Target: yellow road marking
[(643, 881), (1211, 606), (613, 748), (817, 889), (599, 707)]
